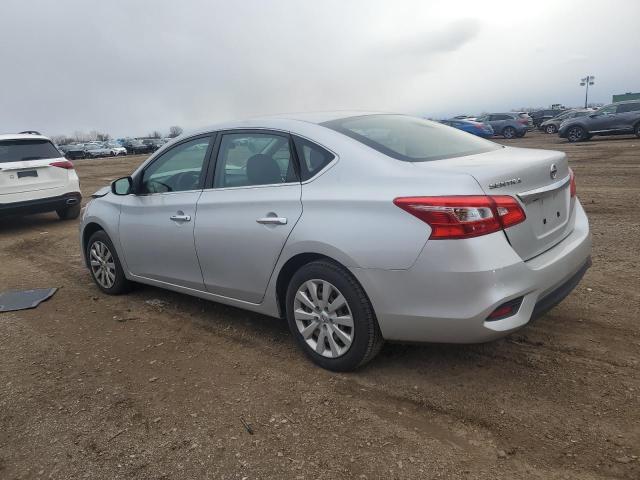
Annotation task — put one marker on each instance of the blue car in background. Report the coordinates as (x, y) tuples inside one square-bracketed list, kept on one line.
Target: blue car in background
[(476, 128)]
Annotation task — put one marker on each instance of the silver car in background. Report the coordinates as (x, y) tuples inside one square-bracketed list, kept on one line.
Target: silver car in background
[(356, 228)]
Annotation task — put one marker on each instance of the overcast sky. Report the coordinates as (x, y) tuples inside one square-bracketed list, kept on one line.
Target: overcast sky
[(130, 66)]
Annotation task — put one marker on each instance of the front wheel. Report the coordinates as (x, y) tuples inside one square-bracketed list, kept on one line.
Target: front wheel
[(331, 317), (551, 129), (104, 264), (509, 132), (576, 134)]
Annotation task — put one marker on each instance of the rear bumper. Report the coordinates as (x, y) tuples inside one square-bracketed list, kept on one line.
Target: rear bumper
[(40, 205), (447, 295)]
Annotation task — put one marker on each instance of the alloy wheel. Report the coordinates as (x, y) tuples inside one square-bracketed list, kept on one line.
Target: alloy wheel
[(103, 265), (551, 129), (575, 134), (323, 318)]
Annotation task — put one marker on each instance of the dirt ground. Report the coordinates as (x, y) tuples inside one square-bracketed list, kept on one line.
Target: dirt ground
[(158, 385)]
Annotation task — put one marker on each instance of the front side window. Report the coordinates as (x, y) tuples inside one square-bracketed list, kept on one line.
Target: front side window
[(248, 159), (178, 170), (21, 150), (410, 139), (609, 109), (313, 158)]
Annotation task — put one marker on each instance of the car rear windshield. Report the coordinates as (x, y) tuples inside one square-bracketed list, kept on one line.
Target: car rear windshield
[(20, 150), (410, 139)]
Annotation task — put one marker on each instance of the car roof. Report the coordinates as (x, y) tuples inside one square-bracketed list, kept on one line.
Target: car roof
[(22, 136), (284, 120)]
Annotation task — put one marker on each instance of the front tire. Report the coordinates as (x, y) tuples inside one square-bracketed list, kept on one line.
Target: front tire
[(508, 132), (69, 213), (576, 134), (331, 318), (551, 129), (104, 265)]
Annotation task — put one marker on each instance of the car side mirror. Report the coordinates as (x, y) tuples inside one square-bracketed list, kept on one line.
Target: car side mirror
[(122, 186)]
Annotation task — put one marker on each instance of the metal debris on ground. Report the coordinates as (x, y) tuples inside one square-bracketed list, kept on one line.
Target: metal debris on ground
[(13, 300)]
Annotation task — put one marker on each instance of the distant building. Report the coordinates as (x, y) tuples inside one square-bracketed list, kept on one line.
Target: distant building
[(621, 97)]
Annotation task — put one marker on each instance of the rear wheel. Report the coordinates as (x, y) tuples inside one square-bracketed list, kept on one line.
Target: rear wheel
[(637, 130), (104, 265), (508, 132), (69, 213), (521, 134), (331, 317), (576, 134), (551, 129)]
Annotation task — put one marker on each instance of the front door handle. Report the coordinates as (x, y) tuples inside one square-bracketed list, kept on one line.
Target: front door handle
[(272, 220), (180, 218)]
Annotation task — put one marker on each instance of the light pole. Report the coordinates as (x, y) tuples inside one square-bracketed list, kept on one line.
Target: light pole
[(586, 81)]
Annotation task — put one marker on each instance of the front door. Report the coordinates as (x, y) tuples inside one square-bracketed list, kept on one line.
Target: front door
[(156, 224), (246, 216)]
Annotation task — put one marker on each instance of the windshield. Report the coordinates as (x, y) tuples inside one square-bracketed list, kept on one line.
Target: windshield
[(20, 150), (410, 139)]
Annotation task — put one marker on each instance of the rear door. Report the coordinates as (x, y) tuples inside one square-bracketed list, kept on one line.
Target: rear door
[(626, 116), (247, 213), (26, 166)]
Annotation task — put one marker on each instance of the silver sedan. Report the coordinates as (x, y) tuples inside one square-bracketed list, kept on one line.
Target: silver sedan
[(356, 228)]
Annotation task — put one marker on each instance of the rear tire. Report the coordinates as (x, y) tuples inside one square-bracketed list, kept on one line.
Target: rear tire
[(550, 129), (69, 213), (508, 132), (341, 339), (637, 130), (104, 265)]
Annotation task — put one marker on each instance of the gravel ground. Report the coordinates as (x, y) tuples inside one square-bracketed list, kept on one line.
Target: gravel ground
[(161, 385)]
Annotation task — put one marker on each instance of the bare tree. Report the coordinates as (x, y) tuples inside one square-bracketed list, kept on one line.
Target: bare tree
[(175, 131), (154, 134), (102, 137)]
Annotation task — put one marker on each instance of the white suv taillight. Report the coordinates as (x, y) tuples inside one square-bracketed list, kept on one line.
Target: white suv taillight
[(66, 164), (464, 216)]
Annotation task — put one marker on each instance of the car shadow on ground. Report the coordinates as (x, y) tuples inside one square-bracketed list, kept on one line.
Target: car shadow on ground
[(17, 224)]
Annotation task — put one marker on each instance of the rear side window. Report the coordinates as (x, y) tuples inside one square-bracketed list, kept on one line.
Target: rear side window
[(313, 158), (410, 139), (248, 159), (628, 107), (20, 150)]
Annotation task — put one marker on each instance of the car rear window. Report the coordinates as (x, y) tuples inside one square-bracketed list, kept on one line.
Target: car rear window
[(28, 149), (410, 139)]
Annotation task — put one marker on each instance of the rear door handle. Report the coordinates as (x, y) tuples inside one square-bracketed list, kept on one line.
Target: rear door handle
[(180, 218), (272, 220)]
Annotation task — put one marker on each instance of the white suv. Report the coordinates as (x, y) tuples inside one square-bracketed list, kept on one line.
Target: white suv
[(36, 178)]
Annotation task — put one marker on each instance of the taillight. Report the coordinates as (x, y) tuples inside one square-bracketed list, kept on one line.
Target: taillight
[(572, 183), (464, 216), (66, 164)]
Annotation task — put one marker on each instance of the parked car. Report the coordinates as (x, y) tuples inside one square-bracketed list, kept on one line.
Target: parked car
[(476, 128), (36, 178), (75, 151), (552, 125), (540, 116), (116, 148), (153, 144), (615, 119), (135, 147), (363, 228), (508, 125), (95, 150)]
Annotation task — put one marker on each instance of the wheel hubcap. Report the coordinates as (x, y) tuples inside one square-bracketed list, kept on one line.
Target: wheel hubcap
[(575, 133), (103, 266), (323, 318)]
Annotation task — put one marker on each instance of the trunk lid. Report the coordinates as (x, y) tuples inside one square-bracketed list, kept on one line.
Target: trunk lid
[(539, 179)]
